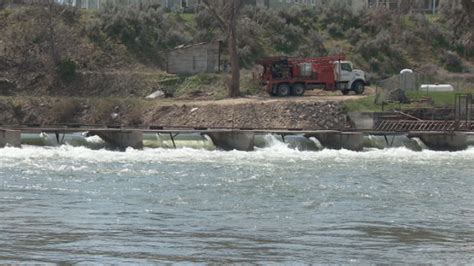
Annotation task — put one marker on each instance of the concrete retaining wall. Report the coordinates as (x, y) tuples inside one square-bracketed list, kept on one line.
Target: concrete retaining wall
[(10, 137), (444, 142), (122, 139), (341, 140), (241, 141)]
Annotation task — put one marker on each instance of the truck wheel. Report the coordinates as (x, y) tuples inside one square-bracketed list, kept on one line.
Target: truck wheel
[(345, 92), (283, 90), (358, 87), (298, 89)]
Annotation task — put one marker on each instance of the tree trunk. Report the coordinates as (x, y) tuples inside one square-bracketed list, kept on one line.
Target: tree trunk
[(227, 13), (52, 33), (468, 6), (234, 84), (78, 4)]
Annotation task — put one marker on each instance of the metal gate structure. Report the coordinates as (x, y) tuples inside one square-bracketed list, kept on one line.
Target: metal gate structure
[(463, 115), (463, 109)]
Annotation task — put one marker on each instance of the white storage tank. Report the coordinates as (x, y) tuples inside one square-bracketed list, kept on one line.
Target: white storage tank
[(437, 87), (407, 80)]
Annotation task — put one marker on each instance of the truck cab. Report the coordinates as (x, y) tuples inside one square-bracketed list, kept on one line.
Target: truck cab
[(348, 78)]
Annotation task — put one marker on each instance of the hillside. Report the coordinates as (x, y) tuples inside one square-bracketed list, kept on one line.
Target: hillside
[(121, 51)]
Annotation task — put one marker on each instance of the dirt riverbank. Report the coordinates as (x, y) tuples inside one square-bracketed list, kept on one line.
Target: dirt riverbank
[(310, 112)]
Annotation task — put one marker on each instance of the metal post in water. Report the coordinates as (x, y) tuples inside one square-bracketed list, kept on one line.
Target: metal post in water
[(172, 139)]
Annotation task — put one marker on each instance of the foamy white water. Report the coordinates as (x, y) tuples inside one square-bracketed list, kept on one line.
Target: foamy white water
[(276, 151)]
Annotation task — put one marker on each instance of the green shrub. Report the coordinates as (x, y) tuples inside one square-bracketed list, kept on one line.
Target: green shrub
[(67, 69), (147, 32), (354, 35), (335, 30), (452, 61)]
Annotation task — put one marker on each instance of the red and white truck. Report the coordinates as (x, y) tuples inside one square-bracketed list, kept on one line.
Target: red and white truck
[(284, 76)]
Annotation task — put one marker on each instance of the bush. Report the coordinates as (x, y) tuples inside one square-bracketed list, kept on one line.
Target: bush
[(376, 46), (250, 48), (314, 46), (335, 30), (354, 35), (146, 32), (70, 15), (374, 64), (67, 69), (452, 61)]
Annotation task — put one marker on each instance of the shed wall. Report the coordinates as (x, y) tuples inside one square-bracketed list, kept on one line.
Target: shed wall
[(194, 59)]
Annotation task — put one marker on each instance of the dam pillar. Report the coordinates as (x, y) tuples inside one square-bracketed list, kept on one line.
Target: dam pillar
[(10, 137), (443, 141), (241, 141), (352, 141), (122, 139)]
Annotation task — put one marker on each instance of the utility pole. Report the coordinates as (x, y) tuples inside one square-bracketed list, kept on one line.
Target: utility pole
[(434, 7)]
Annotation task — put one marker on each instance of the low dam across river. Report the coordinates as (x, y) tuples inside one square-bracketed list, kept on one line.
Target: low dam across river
[(246, 139)]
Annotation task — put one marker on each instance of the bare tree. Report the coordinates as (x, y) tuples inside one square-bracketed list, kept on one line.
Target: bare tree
[(50, 15), (227, 13)]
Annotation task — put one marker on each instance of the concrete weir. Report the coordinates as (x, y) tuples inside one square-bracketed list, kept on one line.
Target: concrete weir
[(443, 141), (340, 140), (121, 139), (10, 137), (241, 141)]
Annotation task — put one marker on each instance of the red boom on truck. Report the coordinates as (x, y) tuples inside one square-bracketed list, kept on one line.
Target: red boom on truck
[(284, 76)]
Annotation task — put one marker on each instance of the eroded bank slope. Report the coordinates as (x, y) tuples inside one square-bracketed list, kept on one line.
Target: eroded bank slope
[(294, 114)]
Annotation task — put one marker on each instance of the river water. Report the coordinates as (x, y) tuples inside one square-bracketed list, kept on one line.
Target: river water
[(273, 205)]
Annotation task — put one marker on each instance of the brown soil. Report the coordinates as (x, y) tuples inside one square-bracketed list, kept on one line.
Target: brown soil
[(308, 112)]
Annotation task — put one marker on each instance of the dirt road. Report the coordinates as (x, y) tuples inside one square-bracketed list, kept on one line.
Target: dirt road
[(309, 97)]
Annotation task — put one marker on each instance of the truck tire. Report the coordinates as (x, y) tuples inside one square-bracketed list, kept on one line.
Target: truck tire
[(298, 89), (358, 87), (283, 90)]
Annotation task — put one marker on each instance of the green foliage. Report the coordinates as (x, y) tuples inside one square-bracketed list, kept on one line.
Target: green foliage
[(147, 32), (382, 42), (70, 16), (452, 61), (201, 84), (121, 37), (439, 99), (366, 104), (67, 69)]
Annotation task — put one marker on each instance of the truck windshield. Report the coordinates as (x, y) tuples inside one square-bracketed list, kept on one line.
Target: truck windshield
[(346, 67)]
